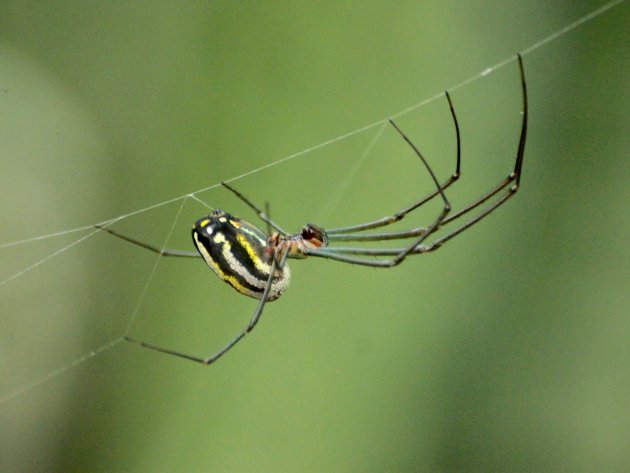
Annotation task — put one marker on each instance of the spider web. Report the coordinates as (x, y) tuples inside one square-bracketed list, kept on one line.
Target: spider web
[(86, 232)]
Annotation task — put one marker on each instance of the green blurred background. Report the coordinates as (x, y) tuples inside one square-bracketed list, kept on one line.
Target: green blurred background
[(507, 350)]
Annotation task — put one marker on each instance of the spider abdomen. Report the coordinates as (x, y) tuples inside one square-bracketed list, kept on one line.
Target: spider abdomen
[(237, 252)]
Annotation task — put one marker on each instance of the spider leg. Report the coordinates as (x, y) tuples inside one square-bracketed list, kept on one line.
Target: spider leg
[(268, 214), (154, 249), (343, 253), (278, 262), (504, 190), (510, 184), (264, 216), (339, 254), (381, 222), (423, 233), (445, 209), (440, 241), (377, 236)]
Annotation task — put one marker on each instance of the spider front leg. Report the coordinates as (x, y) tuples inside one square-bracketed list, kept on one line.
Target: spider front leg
[(348, 233), (420, 234), (503, 192), (509, 186)]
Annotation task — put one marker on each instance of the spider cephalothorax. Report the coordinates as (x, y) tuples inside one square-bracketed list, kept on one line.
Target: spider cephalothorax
[(298, 245)]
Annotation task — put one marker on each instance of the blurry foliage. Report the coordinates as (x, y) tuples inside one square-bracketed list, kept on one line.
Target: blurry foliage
[(505, 351)]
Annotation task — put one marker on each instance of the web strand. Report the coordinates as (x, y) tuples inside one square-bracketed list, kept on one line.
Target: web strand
[(145, 289), (16, 392), (487, 71)]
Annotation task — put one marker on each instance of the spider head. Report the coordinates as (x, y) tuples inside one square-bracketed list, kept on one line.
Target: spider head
[(313, 236)]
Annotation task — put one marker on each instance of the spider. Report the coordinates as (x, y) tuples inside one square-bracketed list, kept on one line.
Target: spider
[(255, 263)]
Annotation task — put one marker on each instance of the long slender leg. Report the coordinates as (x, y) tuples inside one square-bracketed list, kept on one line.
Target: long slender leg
[(262, 215), (445, 210), (513, 178), (345, 254), (402, 253), (250, 326), (268, 214), (440, 241), (341, 253), (381, 222), (377, 263), (415, 232), (154, 249)]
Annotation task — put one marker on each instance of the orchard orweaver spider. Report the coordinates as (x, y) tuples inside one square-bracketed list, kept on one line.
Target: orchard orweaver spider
[(254, 263)]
